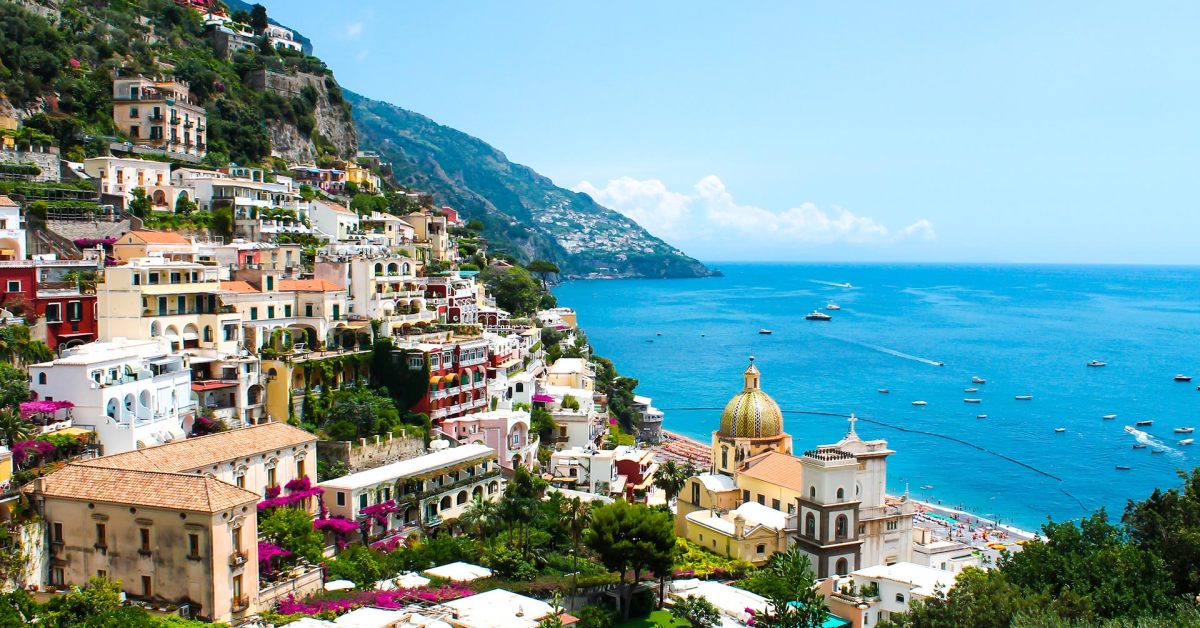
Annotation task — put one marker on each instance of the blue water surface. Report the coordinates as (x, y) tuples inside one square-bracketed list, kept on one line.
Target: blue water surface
[(1028, 330)]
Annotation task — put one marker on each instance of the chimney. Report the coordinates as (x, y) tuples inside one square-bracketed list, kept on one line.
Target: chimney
[(739, 526)]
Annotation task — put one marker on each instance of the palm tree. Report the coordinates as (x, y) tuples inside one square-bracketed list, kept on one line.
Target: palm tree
[(482, 517), (13, 428), (575, 516), (671, 478)]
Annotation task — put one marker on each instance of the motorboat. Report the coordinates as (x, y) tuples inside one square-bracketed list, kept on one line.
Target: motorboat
[(978, 380), (1109, 417), (658, 334), (766, 332), (1122, 467), (1129, 428), (1095, 363), (1060, 430), (833, 306), (981, 416), (1023, 397), (939, 364), (919, 403), (1184, 430), (1183, 378), (926, 487), (1158, 451), (884, 391), (968, 390), (1140, 446), (972, 400), (1144, 423), (818, 315), (1187, 441)]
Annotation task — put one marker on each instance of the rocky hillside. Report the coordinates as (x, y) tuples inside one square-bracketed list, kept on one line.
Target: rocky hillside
[(330, 128), (522, 211)]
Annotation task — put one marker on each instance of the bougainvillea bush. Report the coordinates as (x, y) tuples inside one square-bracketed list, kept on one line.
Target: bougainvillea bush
[(398, 598)]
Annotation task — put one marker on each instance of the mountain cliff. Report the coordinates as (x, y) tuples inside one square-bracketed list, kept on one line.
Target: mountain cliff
[(522, 211)]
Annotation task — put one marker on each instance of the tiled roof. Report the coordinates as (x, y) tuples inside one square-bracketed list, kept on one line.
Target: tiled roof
[(159, 237), (197, 453), (238, 286), (308, 285), (174, 491), (338, 209), (7, 202), (775, 468)]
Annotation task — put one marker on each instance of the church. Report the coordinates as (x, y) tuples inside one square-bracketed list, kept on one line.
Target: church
[(759, 497)]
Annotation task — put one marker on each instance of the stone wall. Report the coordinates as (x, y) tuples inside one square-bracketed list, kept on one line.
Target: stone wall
[(301, 583), (33, 567), (44, 157), (370, 453)]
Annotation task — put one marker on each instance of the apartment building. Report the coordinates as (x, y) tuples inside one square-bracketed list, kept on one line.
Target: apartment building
[(55, 296), (457, 375), (162, 114), (120, 176), (12, 230), (506, 431)]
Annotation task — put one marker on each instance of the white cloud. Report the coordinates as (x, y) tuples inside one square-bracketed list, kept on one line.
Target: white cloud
[(354, 29), (708, 221)]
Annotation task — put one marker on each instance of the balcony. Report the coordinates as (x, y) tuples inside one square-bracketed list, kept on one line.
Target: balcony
[(241, 603), (188, 124), (238, 559), (156, 117), (175, 121)]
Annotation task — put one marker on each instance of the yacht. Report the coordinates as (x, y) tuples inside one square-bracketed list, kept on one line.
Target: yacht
[(978, 380), (766, 332), (1187, 441), (1059, 430), (884, 391), (981, 416), (1183, 378), (939, 364), (1184, 430), (833, 306), (1158, 451), (1097, 363), (1144, 423), (1023, 397), (1109, 417), (1122, 467), (972, 400), (918, 403), (970, 390), (1139, 446), (818, 315)]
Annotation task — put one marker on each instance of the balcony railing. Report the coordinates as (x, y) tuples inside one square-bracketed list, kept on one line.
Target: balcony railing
[(239, 558), (241, 603)]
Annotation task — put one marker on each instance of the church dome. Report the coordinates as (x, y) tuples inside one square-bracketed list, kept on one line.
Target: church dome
[(751, 413)]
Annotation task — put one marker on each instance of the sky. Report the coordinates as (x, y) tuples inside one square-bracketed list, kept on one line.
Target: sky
[(912, 132)]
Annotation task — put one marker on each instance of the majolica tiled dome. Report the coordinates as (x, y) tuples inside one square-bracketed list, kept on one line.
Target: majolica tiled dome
[(751, 413)]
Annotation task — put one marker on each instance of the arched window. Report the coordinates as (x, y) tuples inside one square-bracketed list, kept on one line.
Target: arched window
[(812, 492), (842, 567), (493, 487), (841, 526), (810, 524), (461, 499), (42, 378), (724, 457), (841, 493), (900, 598), (446, 503), (378, 269), (208, 333), (155, 329)]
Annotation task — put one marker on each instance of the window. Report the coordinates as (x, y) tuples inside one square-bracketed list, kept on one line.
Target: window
[(102, 574), (193, 545), (775, 504), (761, 549), (287, 311), (57, 577), (101, 535), (841, 494), (900, 598), (253, 313), (74, 311), (230, 332), (237, 589), (892, 525), (841, 527), (270, 283), (147, 588), (237, 539), (341, 499), (745, 495), (810, 525), (300, 469), (208, 333), (56, 533), (270, 311), (53, 312), (144, 536), (696, 493), (133, 130), (812, 492), (362, 501), (842, 567), (337, 311), (762, 500), (14, 285), (308, 311), (240, 481), (271, 476), (42, 378)]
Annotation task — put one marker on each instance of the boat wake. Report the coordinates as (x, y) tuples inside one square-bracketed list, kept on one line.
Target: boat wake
[(1150, 441), (831, 283), (898, 354)]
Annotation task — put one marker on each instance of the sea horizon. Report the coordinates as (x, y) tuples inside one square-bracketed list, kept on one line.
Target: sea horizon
[(1028, 328)]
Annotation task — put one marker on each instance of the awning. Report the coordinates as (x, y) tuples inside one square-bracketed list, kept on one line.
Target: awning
[(200, 359), (213, 384), (354, 326), (191, 335), (171, 337), (435, 379), (74, 334)]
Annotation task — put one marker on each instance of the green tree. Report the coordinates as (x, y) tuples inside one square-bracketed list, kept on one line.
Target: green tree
[(359, 564), (671, 478), (631, 539), (184, 205), (13, 428), (542, 422), (222, 222), (292, 529), (543, 269), (14, 386), (258, 18), (697, 611), (575, 515), (140, 205), (482, 518), (787, 583), (514, 288), (1168, 524), (592, 616)]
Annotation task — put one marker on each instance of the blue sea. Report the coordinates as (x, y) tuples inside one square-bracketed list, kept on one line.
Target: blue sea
[(1028, 330)]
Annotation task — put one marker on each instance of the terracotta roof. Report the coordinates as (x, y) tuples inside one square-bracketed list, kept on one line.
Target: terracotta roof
[(775, 468), (173, 491), (238, 286), (159, 237), (7, 202), (338, 209), (197, 453), (308, 285)]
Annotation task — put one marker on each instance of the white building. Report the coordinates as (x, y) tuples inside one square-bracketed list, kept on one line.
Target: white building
[(333, 221), (506, 431), (733, 603), (133, 394), (589, 470), (582, 427), (381, 287), (889, 589), (942, 554), (647, 419), (12, 230), (120, 176)]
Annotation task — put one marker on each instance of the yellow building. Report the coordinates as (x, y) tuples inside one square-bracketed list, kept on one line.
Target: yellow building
[(160, 114), (751, 424), (142, 243)]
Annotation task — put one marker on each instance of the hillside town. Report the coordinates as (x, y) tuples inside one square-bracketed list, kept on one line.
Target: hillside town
[(299, 392)]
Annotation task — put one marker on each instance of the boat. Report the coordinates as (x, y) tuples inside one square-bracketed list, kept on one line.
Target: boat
[(1184, 430), (1109, 417), (1158, 451), (658, 334), (972, 400), (844, 285), (970, 390), (1060, 430), (1140, 446), (1023, 397), (1183, 378), (926, 487), (1145, 423), (833, 306), (981, 416), (1094, 363), (978, 380), (649, 340), (818, 315), (884, 390), (1187, 441), (939, 364), (765, 332), (918, 403), (1122, 467)]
